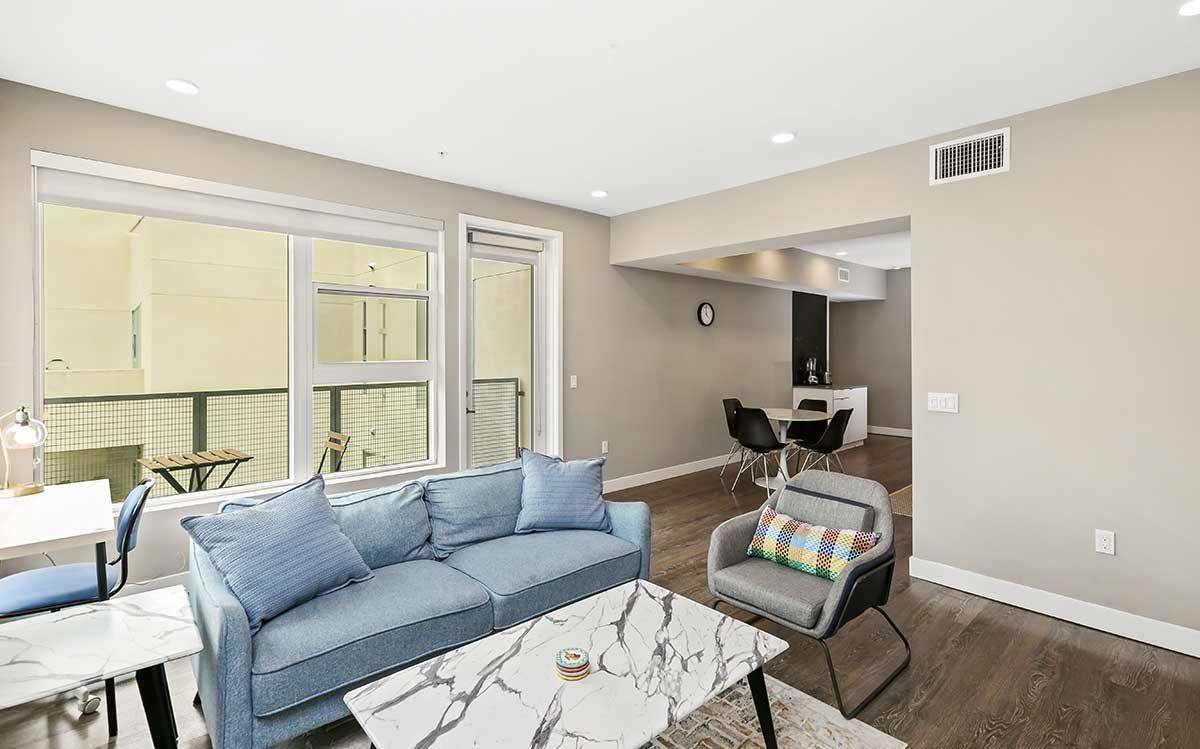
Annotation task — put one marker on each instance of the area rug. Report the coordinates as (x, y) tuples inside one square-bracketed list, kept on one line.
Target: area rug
[(902, 501), (728, 721)]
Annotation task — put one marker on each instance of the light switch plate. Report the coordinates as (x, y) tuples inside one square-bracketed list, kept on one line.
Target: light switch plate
[(943, 402), (604, 447), (574, 382), (1106, 542)]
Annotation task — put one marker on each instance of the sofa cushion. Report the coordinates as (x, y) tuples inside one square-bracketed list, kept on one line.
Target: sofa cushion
[(532, 574), (472, 506), (767, 586), (387, 525), (561, 495), (407, 612), (280, 553)]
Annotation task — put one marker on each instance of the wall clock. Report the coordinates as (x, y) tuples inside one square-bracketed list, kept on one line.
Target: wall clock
[(706, 314)]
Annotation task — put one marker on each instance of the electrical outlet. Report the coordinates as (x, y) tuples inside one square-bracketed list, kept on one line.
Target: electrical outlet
[(943, 402), (574, 382), (604, 447), (1106, 542)]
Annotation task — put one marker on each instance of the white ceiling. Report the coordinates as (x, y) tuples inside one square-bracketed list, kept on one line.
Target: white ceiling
[(885, 251), (550, 99)]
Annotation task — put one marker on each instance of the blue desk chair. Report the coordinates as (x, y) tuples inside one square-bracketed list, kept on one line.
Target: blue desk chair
[(59, 586)]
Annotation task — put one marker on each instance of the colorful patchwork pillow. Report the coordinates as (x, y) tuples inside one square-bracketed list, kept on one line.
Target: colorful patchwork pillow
[(814, 549)]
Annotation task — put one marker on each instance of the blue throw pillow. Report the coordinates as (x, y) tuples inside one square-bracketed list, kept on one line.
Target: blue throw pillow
[(280, 553), (559, 495), (471, 506)]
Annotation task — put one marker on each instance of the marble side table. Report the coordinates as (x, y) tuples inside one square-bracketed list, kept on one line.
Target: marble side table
[(53, 653)]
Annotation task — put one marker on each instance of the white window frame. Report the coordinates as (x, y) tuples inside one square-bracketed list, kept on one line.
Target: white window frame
[(304, 372), (548, 330)]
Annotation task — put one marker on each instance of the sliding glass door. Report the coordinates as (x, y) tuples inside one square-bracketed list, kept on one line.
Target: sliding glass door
[(502, 393)]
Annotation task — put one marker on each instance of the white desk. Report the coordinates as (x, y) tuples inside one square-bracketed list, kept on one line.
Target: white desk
[(784, 417), (61, 517), (57, 652)]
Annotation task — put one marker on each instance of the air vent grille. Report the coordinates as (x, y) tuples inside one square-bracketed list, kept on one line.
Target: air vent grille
[(973, 156)]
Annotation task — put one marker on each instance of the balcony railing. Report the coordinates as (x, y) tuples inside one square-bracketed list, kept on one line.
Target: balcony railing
[(91, 437)]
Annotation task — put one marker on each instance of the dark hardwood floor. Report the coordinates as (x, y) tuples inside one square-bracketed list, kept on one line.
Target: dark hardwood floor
[(983, 674)]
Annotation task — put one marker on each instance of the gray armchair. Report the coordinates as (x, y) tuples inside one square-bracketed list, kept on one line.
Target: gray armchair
[(813, 606)]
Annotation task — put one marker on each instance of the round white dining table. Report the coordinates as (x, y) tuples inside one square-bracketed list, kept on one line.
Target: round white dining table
[(784, 418)]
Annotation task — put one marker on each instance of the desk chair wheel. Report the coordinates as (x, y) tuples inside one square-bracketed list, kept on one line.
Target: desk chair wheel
[(88, 703)]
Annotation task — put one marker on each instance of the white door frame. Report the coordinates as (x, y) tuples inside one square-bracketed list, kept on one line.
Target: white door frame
[(548, 367)]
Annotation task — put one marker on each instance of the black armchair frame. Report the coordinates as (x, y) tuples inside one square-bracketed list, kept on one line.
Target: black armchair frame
[(870, 589)]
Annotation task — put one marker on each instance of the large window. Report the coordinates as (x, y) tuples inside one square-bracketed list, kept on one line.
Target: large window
[(217, 337)]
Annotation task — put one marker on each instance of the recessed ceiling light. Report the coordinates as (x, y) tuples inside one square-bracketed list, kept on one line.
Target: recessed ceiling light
[(784, 137), (180, 86), (840, 254), (1190, 8), (599, 193)]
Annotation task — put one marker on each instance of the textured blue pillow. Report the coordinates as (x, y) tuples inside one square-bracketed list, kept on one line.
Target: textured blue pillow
[(387, 525), (280, 553), (558, 495), (472, 506)]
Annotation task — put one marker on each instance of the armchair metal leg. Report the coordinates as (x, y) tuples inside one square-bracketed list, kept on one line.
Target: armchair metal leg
[(837, 692)]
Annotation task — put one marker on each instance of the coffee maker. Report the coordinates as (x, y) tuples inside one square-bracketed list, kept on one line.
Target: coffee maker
[(810, 366)]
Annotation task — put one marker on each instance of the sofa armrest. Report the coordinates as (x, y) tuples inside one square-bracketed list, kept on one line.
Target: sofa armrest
[(729, 541), (631, 522), (222, 669)]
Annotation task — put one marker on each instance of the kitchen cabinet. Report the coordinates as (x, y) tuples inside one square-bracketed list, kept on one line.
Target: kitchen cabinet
[(838, 397)]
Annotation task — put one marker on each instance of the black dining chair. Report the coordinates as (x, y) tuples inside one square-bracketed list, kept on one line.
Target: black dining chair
[(829, 443), (757, 436), (731, 408), (801, 434)]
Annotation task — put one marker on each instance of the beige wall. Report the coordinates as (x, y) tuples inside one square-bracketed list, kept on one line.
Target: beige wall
[(650, 378), (870, 343), (1044, 297)]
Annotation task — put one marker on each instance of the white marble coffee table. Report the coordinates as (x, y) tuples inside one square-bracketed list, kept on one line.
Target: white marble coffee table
[(54, 653), (656, 656)]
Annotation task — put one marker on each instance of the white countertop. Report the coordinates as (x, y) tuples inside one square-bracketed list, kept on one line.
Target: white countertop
[(61, 516)]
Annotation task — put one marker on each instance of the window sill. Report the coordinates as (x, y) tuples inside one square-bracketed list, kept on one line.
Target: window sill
[(342, 482)]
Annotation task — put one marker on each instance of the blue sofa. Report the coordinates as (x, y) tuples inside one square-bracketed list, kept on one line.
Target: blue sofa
[(448, 570)]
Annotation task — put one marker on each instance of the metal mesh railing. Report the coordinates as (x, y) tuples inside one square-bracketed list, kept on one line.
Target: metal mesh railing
[(95, 437), (496, 427), (388, 424)]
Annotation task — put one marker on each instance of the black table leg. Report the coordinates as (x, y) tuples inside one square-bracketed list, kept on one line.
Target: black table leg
[(110, 686), (156, 701), (762, 706)]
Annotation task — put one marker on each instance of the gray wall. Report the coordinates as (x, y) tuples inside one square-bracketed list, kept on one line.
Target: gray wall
[(650, 378), (1030, 288), (870, 343)]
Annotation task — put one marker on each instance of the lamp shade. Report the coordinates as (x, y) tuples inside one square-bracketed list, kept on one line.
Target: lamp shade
[(24, 433)]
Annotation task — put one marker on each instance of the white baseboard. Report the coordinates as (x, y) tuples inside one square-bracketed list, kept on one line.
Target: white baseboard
[(890, 431), (662, 474), (1122, 623)]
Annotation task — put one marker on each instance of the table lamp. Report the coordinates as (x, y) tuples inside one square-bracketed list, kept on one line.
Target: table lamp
[(24, 433)]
